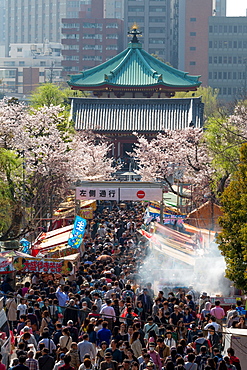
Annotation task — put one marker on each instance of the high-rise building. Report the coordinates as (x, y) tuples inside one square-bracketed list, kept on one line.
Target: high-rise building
[(193, 37), (158, 21), (2, 24), (90, 39), (36, 21), (227, 57), (219, 8), (114, 9)]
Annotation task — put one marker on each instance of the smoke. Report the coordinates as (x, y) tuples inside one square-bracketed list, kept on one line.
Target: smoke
[(166, 268)]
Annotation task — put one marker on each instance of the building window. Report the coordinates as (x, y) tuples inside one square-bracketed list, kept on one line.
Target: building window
[(210, 75), (215, 44), (192, 63), (225, 60), (193, 19), (239, 60), (220, 28), (210, 29), (20, 73), (220, 60), (112, 25), (230, 29), (235, 29), (112, 36), (41, 73), (225, 29), (21, 63), (192, 48), (224, 75), (220, 44), (156, 41), (234, 60), (210, 60), (240, 44), (215, 28), (234, 75), (19, 50), (224, 90), (215, 60), (219, 75), (229, 60), (229, 91), (240, 75), (229, 75), (192, 33), (235, 44), (215, 75), (234, 90), (210, 44), (230, 44), (157, 9), (136, 9), (42, 63)]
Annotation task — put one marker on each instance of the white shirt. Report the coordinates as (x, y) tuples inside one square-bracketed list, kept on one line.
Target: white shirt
[(108, 312), (214, 324), (57, 364), (48, 344), (22, 308)]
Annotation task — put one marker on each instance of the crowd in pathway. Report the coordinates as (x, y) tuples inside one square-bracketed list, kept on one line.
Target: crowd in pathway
[(104, 317)]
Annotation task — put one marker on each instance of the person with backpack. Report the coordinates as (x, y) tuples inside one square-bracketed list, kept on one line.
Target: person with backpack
[(46, 322), (228, 365), (234, 360), (201, 358), (200, 341)]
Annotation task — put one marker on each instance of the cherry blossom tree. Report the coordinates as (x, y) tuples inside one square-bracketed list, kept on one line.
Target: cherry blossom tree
[(49, 159), (181, 154)]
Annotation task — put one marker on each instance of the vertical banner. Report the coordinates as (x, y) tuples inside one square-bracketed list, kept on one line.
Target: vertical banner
[(77, 232)]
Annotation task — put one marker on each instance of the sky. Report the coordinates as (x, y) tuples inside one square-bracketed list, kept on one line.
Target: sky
[(236, 8)]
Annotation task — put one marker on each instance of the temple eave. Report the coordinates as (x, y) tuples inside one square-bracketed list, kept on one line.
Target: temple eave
[(154, 88)]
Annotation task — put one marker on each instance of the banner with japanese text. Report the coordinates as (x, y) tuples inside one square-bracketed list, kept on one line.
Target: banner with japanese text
[(42, 265), (77, 232), (97, 193)]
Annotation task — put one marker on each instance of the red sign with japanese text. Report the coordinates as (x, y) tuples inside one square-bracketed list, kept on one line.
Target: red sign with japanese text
[(45, 265)]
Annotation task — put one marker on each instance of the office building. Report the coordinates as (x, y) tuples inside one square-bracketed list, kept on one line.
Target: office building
[(158, 21), (90, 39), (30, 65), (193, 37), (219, 8), (227, 56), (36, 21), (114, 9)]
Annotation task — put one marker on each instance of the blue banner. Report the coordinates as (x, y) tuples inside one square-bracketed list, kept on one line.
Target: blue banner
[(77, 232)]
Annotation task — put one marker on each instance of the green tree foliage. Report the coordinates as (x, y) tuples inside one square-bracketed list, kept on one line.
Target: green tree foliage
[(50, 94), (209, 98), (233, 238), (10, 188), (224, 137)]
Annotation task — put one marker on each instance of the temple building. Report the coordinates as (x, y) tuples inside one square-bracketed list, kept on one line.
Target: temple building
[(132, 94)]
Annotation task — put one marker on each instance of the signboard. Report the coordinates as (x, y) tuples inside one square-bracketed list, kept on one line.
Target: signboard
[(141, 194), (78, 232), (6, 265), (87, 213), (110, 193), (43, 265), (96, 193)]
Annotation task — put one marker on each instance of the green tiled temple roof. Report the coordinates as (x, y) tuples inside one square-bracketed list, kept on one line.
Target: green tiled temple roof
[(134, 67)]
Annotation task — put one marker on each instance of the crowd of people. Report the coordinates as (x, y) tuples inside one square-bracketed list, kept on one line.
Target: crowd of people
[(106, 317)]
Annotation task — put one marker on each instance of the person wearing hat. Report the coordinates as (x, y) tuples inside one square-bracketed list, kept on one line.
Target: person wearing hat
[(202, 300), (108, 362), (154, 355), (71, 312), (150, 325), (73, 330)]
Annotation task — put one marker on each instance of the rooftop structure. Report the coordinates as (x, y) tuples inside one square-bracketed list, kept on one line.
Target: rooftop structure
[(134, 73)]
